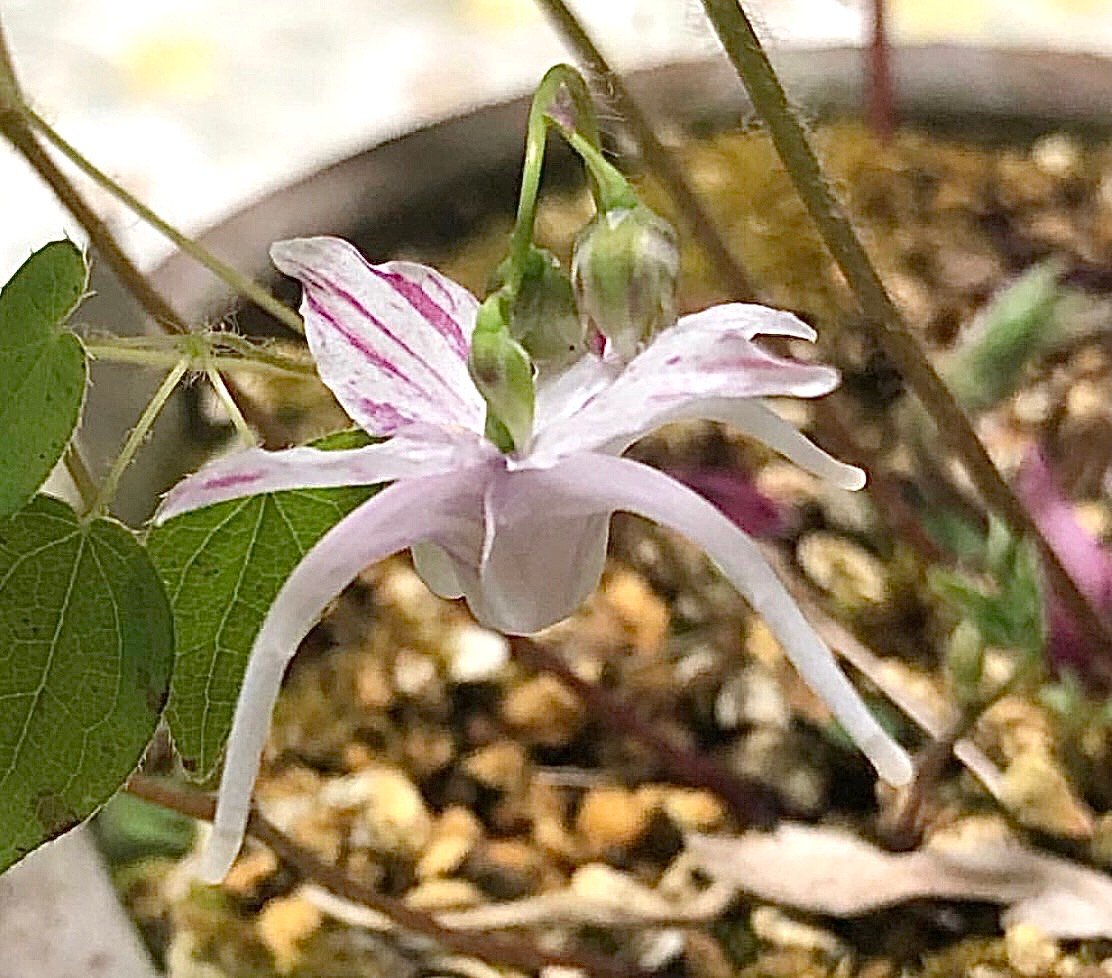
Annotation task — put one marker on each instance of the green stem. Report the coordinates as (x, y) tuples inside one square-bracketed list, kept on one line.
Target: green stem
[(235, 280), (83, 480), (149, 352), (690, 210), (135, 439), (612, 190), (556, 78), (881, 316), (243, 429)]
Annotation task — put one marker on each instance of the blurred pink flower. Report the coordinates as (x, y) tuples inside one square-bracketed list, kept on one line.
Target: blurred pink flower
[(1085, 558)]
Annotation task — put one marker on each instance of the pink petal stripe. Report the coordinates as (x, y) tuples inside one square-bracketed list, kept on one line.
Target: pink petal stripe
[(706, 357), (389, 340), (420, 451)]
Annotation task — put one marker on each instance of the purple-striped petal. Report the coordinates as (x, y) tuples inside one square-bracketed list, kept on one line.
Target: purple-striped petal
[(398, 517), (589, 484), (390, 340), (707, 357), (420, 451)]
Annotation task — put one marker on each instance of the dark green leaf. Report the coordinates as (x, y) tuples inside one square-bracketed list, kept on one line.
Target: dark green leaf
[(86, 647), (223, 567), (42, 369)]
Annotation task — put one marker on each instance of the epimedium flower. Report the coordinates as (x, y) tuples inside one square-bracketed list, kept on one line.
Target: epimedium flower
[(520, 534)]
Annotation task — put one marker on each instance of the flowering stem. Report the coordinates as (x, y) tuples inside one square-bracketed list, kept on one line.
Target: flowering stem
[(154, 351), (235, 280), (495, 948), (880, 103), (135, 439), (556, 79), (881, 316), (690, 209), (243, 429), (612, 190), (78, 470)]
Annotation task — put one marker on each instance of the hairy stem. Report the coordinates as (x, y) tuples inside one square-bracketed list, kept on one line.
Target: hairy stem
[(690, 210), (558, 78), (78, 471), (881, 316), (243, 429), (141, 351), (135, 439), (236, 281), (493, 948)]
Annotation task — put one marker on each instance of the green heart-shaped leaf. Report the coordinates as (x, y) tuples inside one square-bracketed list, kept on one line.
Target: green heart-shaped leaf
[(86, 649), (42, 369), (223, 567)]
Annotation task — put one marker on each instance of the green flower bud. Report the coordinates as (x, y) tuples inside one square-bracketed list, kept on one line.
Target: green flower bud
[(624, 270), (544, 316), (503, 374)]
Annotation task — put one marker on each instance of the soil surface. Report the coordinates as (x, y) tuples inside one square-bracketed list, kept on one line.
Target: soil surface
[(438, 764)]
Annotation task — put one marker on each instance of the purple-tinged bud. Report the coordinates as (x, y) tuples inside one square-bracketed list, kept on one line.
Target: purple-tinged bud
[(624, 271)]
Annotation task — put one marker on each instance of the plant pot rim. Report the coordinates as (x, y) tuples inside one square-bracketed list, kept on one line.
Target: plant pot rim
[(462, 165)]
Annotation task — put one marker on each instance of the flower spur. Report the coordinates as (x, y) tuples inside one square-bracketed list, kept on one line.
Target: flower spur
[(521, 535)]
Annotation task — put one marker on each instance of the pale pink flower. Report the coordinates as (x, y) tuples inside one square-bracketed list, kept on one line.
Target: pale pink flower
[(522, 537)]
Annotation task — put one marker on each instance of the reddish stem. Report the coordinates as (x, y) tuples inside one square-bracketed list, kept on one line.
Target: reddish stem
[(880, 109)]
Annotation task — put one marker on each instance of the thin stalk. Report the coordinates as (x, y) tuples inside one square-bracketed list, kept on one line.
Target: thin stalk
[(880, 103), (492, 948), (881, 316), (904, 825), (243, 429), (298, 361), (144, 356), (612, 190), (234, 279), (690, 210), (13, 128), (83, 480), (135, 439), (536, 135)]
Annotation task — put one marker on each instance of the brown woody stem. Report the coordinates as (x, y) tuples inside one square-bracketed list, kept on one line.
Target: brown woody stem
[(881, 316)]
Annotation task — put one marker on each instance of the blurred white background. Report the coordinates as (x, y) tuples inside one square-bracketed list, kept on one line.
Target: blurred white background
[(201, 105)]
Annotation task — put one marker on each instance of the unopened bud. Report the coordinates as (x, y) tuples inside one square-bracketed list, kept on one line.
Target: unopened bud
[(624, 271), (544, 317), (503, 373)]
